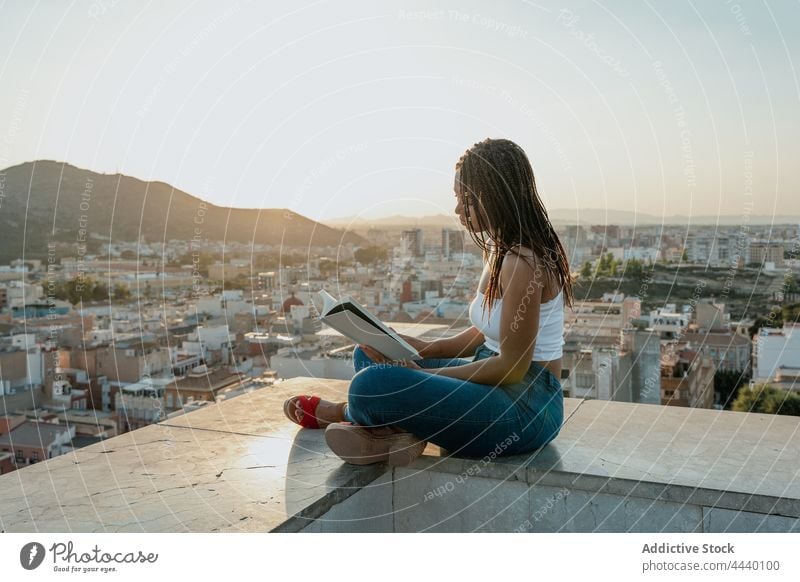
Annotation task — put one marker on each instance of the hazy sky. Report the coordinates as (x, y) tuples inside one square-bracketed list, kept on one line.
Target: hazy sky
[(339, 108)]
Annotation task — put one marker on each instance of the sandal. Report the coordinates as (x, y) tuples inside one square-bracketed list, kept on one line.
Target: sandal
[(308, 404), (359, 445)]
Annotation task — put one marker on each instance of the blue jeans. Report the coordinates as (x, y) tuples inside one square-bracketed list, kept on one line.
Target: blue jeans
[(466, 418)]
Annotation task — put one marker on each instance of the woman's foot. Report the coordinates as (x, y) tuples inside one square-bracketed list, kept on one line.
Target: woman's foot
[(313, 412), (360, 445)]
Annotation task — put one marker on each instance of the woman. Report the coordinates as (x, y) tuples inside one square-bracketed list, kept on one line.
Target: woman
[(508, 399)]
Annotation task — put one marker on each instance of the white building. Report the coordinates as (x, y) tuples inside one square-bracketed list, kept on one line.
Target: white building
[(204, 340), (668, 323), (18, 294), (774, 349), (591, 322), (645, 254), (23, 341)]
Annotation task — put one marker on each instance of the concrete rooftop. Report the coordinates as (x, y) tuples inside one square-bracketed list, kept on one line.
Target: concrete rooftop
[(241, 466)]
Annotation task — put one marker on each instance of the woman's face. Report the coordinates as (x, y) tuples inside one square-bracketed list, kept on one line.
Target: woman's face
[(460, 202)]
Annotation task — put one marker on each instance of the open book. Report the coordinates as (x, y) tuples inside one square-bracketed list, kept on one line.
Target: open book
[(349, 318)]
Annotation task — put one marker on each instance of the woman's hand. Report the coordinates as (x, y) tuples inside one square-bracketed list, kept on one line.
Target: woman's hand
[(418, 344), (375, 355), (410, 364), (379, 358)]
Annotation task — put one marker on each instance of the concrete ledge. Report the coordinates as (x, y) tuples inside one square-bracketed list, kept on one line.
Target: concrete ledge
[(615, 467), (241, 466), (730, 460), (235, 466)]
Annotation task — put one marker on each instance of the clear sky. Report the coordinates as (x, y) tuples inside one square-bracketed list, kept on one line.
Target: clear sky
[(358, 107)]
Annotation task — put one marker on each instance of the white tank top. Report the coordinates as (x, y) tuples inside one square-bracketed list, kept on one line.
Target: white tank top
[(549, 338)]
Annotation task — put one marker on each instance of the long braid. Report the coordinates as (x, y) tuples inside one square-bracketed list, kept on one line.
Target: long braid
[(497, 182)]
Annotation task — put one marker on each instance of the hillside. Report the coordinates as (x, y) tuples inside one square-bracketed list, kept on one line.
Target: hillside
[(44, 201)]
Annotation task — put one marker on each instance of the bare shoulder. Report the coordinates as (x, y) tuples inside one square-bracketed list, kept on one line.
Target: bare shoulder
[(522, 262), (520, 267), (519, 254), (521, 250)]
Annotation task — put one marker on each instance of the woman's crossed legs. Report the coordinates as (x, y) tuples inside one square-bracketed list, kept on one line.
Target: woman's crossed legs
[(463, 417)]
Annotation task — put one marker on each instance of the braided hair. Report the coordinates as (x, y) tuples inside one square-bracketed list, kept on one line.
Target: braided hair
[(496, 181)]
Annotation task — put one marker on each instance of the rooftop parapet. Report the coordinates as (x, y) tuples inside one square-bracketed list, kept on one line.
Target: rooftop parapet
[(241, 466)]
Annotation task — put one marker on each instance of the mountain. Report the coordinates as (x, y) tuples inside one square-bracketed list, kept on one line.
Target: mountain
[(357, 222), (584, 216), (47, 201)]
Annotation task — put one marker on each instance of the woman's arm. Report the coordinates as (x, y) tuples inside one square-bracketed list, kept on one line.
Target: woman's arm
[(519, 325), (463, 344), (492, 371)]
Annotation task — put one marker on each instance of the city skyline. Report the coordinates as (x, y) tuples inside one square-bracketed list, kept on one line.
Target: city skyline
[(663, 110), (238, 293)]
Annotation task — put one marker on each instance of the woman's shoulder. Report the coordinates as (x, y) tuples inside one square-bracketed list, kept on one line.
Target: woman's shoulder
[(522, 256), (521, 251)]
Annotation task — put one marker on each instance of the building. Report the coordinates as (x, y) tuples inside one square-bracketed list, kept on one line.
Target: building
[(728, 351), (687, 377), (600, 322), (711, 316), (717, 250), (643, 346), (7, 463), (139, 404), (643, 254), (411, 243), (80, 368), (14, 375), (763, 252), (130, 362), (668, 323), (65, 329), (32, 442), (597, 373), (628, 371), (787, 378), (266, 281), (286, 307), (775, 348), (199, 385), (213, 344), (452, 242), (300, 360), (64, 396), (19, 294)]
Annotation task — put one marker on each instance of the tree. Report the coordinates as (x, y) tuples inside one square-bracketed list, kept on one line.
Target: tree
[(121, 292), (776, 318), (327, 266), (634, 269), (370, 255), (75, 290), (791, 312), (604, 264), (727, 384), (99, 291), (608, 266), (200, 261), (241, 282), (768, 400), (586, 270)]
